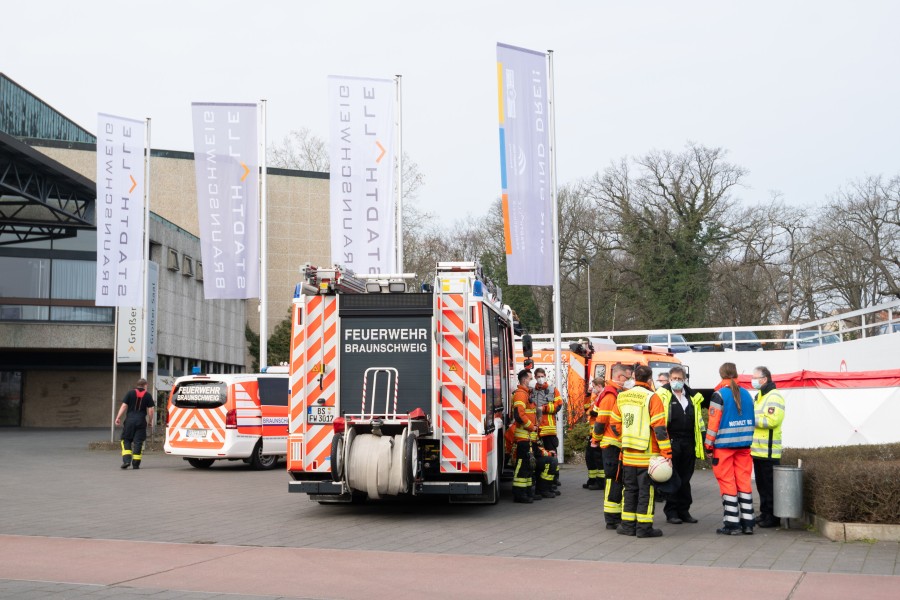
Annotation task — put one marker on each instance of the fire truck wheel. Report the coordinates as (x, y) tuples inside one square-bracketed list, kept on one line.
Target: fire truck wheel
[(261, 461), (201, 463), (337, 457), (410, 462), (395, 484), (383, 473), (349, 436)]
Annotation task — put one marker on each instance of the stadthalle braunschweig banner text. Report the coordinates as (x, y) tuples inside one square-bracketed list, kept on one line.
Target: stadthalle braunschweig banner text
[(120, 211), (362, 173), (227, 171), (525, 165)]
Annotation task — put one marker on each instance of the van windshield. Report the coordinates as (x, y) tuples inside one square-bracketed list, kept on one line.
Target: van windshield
[(200, 394)]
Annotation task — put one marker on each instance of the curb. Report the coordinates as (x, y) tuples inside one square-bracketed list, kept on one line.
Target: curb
[(855, 532)]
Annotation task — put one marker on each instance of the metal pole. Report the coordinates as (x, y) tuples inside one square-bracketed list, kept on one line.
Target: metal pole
[(557, 318), (263, 251), (145, 312), (112, 420), (400, 173), (590, 327)]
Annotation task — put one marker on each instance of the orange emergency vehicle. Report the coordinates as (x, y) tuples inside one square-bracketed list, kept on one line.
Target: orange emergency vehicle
[(586, 359), (229, 417), (395, 391)]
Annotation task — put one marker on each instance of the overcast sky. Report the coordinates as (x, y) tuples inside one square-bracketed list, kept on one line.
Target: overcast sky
[(805, 95)]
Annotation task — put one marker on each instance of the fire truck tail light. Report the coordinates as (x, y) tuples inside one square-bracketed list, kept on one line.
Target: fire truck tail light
[(339, 425), (231, 419)]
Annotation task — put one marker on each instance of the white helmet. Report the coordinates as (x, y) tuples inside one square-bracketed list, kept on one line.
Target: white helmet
[(660, 469)]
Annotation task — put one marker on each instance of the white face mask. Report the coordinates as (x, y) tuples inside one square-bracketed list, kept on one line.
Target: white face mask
[(540, 380), (531, 383), (629, 383)]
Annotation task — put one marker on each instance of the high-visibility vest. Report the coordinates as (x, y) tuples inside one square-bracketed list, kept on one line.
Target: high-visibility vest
[(769, 413), (525, 409), (735, 429), (634, 408), (666, 395)]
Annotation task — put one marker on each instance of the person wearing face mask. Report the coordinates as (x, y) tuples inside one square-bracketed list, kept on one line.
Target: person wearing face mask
[(593, 458), (606, 438), (729, 436), (525, 422), (684, 422), (768, 408), (662, 379), (640, 419), (549, 401)]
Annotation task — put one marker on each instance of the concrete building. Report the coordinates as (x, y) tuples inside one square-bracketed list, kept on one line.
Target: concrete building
[(56, 346)]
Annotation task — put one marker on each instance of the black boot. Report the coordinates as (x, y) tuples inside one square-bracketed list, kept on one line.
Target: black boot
[(646, 530), (627, 528)]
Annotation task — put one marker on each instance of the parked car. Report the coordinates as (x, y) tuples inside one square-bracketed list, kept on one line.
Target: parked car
[(888, 328), (810, 338), (745, 340), (675, 342)]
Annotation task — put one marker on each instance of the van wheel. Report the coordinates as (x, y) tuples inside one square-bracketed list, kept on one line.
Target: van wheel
[(261, 461), (201, 463)]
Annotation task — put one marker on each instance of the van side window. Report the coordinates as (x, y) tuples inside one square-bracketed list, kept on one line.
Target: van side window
[(200, 394), (600, 371), (273, 391)]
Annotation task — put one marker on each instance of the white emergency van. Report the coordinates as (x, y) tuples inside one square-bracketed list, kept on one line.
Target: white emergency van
[(229, 417)]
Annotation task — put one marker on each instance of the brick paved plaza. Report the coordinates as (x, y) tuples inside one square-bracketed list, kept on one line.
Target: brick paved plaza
[(54, 487)]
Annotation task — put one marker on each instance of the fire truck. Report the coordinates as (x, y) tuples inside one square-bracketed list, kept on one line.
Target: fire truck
[(396, 391)]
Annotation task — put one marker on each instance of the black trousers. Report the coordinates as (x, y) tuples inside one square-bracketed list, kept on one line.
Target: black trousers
[(522, 477), (683, 461), (134, 432), (612, 496), (637, 497), (765, 485)]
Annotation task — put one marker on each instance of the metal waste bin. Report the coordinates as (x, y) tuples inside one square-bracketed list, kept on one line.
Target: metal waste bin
[(788, 488)]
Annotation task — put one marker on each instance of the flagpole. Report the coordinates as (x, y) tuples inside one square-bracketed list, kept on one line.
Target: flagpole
[(557, 319), (144, 303), (263, 250), (399, 173), (112, 420)]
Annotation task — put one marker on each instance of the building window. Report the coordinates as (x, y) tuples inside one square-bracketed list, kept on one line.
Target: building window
[(173, 259), (187, 266), (199, 270), (10, 398)]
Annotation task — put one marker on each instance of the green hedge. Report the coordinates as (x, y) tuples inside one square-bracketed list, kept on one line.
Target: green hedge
[(850, 484)]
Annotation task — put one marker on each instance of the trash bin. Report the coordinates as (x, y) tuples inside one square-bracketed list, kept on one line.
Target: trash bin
[(788, 488)]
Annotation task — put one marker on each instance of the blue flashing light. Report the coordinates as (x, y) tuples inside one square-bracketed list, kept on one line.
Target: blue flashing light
[(641, 348), (478, 288), (297, 290), (195, 370)]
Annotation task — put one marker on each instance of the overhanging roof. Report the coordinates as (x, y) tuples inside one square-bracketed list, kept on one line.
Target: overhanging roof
[(40, 198)]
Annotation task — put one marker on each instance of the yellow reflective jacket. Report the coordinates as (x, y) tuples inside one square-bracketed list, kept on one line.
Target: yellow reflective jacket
[(769, 412), (665, 395)]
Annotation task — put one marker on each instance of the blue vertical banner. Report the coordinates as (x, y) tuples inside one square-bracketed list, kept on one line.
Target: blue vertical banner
[(523, 95)]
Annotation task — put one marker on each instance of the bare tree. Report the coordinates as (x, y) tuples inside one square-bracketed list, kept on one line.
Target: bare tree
[(302, 150)]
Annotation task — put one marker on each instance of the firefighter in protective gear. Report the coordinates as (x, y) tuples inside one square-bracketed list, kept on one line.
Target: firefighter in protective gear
[(593, 458), (768, 409), (605, 439), (684, 423), (549, 404), (546, 470), (137, 407), (524, 416), (640, 419), (728, 438)]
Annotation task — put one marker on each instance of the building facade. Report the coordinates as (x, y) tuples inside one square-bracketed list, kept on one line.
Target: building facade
[(56, 346)]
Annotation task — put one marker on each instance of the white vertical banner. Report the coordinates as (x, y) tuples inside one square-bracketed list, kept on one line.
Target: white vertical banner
[(226, 165), (130, 324), (120, 210), (362, 173), (525, 165)]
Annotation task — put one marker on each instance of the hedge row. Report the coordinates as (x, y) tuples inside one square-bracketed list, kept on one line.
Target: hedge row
[(850, 484)]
